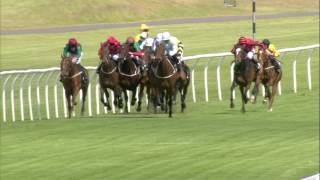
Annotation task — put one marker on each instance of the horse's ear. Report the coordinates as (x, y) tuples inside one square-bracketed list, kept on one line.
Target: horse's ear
[(62, 56)]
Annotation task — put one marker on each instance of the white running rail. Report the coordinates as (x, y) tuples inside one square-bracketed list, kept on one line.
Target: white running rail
[(47, 110)]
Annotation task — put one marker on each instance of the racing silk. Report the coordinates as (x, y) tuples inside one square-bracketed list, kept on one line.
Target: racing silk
[(147, 42), (156, 41), (137, 38), (135, 51), (67, 52), (113, 50), (172, 46), (249, 43), (273, 50)]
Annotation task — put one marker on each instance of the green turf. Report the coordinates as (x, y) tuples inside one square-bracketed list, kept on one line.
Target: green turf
[(208, 141), (35, 51), (47, 13)]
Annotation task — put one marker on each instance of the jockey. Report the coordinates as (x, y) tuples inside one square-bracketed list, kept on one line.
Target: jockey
[(273, 53), (156, 41), (143, 37), (114, 50), (143, 28), (147, 43), (174, 48), (74, 49), (134, 51), (249, 47)]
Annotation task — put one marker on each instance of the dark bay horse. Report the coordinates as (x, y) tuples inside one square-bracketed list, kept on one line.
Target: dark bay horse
[(72, 78), (164, 77), (270, 77), (109, 79), (145, 81), (244, 74), (129, 75)]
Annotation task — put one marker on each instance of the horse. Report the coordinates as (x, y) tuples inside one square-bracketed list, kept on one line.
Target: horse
[(270, 77), (109, 79), (183, 85), (129, 75), (144, 81), (73, 79), (164, 77), (244, 74)]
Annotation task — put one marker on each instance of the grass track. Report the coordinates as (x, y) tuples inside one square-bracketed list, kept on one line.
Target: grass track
[(209, 141)]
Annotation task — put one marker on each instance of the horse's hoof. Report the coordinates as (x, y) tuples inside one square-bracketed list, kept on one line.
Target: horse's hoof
[(270, 110), (138, 109), (231, 105), (109, 108), (264, 101)]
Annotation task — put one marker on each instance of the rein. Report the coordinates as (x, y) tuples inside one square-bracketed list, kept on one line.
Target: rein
[(109, 72), (75, 75), (136, 72), (155, 71)]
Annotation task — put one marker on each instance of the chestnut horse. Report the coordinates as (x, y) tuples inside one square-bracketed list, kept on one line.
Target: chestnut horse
[(164, 78), (129, 75), (109, 78), (269, 77), (72, 78), (244, 74)]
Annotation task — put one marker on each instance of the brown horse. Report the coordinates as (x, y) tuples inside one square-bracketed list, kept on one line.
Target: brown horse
[(270, 77), (109, 78), (244, 74), (164, 77), (144, 81), (72, 78), (129, 75)]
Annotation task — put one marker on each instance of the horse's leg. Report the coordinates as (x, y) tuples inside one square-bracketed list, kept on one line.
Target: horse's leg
[(154, 96), (102, 91), (274, 91), (68, 97), (133, 98), (125, 100), (75, 93), (267, 93), (117, 94), (170, 96), (243, 97), (107, 102), (231, 93), (166, 99), (255, 91), (162, 101), (84, 95), (140, 96)]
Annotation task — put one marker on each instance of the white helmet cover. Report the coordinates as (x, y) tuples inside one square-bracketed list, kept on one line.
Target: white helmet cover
[(166, 36)]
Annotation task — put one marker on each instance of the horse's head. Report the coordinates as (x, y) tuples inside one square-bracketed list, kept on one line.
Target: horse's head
[(148, 55), (124, 52), (66, 65), (160, 52), (240, 53), (105, 53), (262, 55)]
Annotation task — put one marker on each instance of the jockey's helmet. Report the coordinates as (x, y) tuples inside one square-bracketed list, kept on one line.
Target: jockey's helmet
[(166, 36), (73, 42), (144, 27), (130, 40), (111, 40), (266, 42)]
